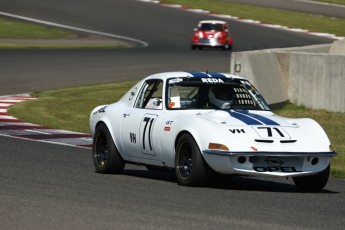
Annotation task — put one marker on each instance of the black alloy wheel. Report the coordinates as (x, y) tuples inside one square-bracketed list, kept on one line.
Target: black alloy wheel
[(106, 157), (190, 167)]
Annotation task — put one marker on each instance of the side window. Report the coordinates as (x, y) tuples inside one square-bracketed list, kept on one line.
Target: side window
[(182, 97), (150, 96)]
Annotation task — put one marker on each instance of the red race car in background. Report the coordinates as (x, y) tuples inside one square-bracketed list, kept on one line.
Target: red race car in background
[(212, 33)]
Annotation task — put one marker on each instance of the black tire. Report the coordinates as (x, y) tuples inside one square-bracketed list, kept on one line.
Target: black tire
[(190, 167), (106, 157), (227, 47), (193, 47), (313, 183)]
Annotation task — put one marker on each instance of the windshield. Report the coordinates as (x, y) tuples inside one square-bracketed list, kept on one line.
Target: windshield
[(210, 26), (213, 93)]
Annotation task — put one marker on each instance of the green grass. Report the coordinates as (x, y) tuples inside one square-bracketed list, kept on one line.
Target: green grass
[(70, 108), (269, 15), (339, 2), (15, 29)]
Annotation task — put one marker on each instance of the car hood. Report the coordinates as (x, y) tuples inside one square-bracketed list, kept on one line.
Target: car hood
[(241, 129), (245, 117)]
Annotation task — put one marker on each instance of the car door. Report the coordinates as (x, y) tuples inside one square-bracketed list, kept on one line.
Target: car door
[(140, 124)]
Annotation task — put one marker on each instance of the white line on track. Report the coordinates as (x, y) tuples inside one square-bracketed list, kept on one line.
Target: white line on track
[(142, 43), (46, 141), (36, 131)]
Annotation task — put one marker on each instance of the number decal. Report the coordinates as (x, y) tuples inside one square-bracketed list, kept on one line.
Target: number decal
[(146, 129), (269, 131), (147, 120)]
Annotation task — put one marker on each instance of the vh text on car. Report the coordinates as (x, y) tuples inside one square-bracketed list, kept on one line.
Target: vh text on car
[(205, 124)]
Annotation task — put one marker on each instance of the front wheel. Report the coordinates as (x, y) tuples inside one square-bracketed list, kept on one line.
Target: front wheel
[(313, 183), (190, 167), (105, 156), (227, 47)]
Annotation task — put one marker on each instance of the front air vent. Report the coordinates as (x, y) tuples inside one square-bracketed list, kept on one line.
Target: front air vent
[(264, 141), (288, 141)]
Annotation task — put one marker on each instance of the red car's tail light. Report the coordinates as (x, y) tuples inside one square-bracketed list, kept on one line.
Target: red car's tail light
[(195, 37), (222, 38)]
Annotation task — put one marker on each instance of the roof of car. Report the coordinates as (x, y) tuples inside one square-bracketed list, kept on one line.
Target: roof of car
[(198, 74), (212, 21)]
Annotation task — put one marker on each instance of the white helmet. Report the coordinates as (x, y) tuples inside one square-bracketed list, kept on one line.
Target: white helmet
[(220, 97)]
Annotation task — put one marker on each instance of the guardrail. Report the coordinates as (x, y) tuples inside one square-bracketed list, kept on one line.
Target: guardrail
[(313, 76)]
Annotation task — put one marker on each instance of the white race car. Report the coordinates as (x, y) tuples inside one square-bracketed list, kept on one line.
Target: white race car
[(206, 124)]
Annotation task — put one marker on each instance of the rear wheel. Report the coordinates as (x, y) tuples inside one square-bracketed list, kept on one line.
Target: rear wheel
[(190, 167), (105, 156), (313, 183)]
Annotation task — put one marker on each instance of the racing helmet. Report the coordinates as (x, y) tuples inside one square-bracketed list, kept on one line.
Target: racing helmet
[(221, 97)]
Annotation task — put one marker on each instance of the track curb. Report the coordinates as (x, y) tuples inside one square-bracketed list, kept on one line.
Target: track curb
[(12, 127)]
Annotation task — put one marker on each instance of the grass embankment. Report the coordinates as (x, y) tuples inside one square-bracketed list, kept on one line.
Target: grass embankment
[(70, 109), (16, 34), (290, 19), (339, 2)]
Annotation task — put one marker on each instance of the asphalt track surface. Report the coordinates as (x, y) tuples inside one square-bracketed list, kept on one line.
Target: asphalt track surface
[(167, 31), (304, 6), (45, 186)]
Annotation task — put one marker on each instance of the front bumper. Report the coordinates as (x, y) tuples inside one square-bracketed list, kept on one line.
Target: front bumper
[(213, 42), (280, 164)]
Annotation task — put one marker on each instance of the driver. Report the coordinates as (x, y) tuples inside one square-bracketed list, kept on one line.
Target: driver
[(220, 97)]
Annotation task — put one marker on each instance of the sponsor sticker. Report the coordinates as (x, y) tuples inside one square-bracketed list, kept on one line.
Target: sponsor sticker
[(175, 80), (212, 80)]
